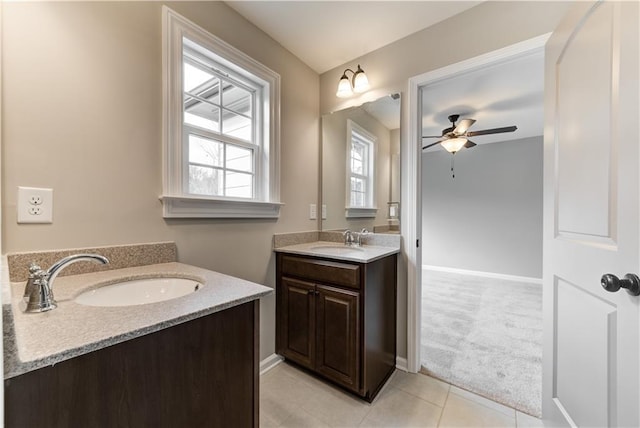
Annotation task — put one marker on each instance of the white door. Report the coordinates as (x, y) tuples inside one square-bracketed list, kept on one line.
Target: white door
[(591, 217)]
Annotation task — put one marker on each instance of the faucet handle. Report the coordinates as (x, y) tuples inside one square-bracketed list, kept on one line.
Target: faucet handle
[(35, 276), (33, 269)]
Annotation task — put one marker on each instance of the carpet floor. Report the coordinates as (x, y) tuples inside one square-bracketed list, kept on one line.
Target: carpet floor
[(484, 335)]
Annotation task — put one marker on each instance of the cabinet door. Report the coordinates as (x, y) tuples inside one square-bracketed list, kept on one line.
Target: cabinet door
[(298, 318), (338, 335)]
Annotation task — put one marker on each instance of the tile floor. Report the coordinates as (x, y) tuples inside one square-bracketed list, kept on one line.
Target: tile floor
[(289, 397)]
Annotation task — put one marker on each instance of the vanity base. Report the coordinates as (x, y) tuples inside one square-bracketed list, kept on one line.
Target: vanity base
[(200, 373), (337, 318)]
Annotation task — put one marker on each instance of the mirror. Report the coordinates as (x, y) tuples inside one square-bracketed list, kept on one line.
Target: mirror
[(361, 167)]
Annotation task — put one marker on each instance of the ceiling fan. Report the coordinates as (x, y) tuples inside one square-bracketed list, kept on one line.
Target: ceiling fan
[(455, 138)]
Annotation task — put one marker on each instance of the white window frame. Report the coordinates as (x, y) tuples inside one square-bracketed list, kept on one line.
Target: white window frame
[(177, 202), (370, 209)]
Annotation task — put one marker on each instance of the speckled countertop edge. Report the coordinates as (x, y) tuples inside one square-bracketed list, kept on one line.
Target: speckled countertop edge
[(37, 340), (362, 254)]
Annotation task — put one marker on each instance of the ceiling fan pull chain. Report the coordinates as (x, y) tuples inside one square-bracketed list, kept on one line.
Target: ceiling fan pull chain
[(453, 157)]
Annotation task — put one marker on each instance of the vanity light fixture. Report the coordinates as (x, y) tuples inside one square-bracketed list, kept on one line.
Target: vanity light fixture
[(358, 83)]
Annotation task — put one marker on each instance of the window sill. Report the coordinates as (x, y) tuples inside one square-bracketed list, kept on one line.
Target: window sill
[(353, 212), (203, 207)]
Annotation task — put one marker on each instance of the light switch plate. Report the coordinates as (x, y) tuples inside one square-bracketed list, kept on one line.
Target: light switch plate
[(313, 212), (324, 211), (35, 205)]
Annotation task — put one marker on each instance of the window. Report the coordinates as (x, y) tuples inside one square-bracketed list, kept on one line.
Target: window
[(361, 171), (221, 127)]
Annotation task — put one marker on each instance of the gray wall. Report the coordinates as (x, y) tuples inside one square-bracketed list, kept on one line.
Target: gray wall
[(489, 217)]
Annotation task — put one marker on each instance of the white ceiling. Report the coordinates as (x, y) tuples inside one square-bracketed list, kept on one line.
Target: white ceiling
[(326, 34), (501, 95)]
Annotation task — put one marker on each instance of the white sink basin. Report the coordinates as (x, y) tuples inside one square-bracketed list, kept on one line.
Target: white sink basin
[(337, 249), (138, 292)]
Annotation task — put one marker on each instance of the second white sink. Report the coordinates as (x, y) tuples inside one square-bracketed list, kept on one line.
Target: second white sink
[(337, 249), (138, 292)]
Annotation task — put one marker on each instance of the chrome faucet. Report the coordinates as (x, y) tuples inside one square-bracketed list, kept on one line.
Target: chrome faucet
[(353, 239), (349, 237), (38, 293)]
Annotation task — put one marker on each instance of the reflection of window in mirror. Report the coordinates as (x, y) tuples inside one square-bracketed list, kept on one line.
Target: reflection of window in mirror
[(360, 166)]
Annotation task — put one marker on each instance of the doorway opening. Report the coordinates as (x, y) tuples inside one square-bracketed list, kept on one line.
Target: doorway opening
[(477, 316)]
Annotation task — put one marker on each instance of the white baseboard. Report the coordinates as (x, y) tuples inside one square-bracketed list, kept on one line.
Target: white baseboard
[(270, 362), (484, 274), (401, 364)]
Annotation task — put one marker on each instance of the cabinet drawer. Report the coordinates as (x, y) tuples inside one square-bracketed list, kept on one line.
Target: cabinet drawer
[(344, 274)]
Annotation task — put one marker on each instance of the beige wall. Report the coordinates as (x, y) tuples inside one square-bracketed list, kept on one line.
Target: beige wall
[(82, 114), (482, 29)]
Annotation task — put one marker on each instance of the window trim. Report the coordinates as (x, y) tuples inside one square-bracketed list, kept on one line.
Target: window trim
[(371, 209), (176, 202)]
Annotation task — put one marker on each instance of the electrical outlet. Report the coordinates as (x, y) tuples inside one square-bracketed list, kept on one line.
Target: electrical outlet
[(35, 210), (35, 200), (35, 205), (324, 211), (313, 213)]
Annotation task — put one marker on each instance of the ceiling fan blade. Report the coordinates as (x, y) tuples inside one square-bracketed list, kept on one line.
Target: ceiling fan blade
[(463, 126), (431, 145), (470, 144), (432, 136), (492, 131)]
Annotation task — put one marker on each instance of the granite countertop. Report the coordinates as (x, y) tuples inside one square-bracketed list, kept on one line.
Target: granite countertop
[(338, 251), (37, 340)]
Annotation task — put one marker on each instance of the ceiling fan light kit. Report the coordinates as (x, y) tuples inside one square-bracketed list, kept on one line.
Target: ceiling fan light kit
[(453, 145), (454, 138)]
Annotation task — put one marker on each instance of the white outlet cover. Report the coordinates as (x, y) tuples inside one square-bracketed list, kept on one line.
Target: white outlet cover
[(27, 211)]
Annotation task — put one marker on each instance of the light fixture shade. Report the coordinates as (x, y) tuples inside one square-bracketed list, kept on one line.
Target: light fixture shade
[(344, 87), (360, 81), (453, 145)]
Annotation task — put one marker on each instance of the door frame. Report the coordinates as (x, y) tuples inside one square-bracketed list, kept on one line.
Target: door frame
[(411, 154)]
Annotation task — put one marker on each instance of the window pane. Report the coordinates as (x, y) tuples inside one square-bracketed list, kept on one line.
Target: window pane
[(201, 114), (358, 191), (239, 185), (357, 199), (236, 126), (358, 158), (239, 158), (200, 83), (237, 100), (194, 77), (205, 181), (206, 152)]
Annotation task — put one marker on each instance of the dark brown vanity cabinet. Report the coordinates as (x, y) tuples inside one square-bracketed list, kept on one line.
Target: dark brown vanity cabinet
[(338, 319), (201, 373)]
